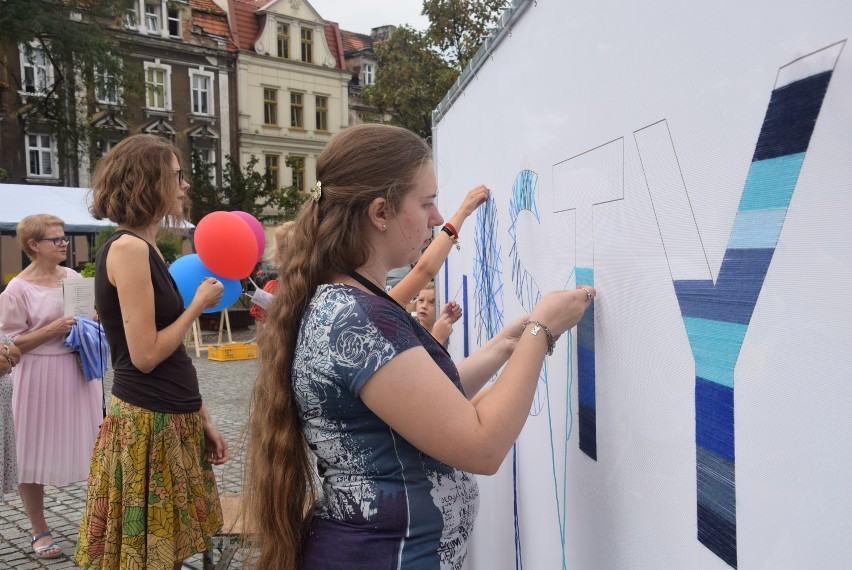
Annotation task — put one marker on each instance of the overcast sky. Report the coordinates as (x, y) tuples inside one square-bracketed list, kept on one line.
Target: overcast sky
[(361, 16)]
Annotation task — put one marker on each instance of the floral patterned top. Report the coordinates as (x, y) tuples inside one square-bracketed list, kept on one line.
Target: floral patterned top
[(384, 504)]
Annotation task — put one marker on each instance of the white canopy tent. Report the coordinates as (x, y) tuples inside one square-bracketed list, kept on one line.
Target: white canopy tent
[(70, 204)]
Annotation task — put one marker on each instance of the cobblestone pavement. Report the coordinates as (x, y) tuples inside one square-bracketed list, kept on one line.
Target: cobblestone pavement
[(226, 389)]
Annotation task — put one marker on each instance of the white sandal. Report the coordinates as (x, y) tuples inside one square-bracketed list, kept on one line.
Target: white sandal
[(42, 551)]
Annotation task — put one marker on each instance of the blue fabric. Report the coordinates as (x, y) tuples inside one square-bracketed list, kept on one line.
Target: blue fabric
[(87, 337), (384, 504)]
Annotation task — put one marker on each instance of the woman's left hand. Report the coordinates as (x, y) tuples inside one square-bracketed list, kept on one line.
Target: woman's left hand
[(513, 331), (217, 447)]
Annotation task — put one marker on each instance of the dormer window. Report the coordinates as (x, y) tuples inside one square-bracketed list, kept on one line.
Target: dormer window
[(283, 40), (307, 45)]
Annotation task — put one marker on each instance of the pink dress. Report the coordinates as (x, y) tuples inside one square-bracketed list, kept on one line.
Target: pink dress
[(57, 413)]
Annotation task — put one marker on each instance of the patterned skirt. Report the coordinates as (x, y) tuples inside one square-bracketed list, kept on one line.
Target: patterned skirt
[(152, 498)]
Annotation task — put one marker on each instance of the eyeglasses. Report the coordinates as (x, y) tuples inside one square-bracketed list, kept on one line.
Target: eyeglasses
[(57, 241), (180, 177)]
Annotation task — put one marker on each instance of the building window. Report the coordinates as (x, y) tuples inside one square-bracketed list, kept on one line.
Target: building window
[(369, 77), (103, 146), (272, 169), (106, 88), (157, 86), (297, 166), (41, 156), (270, 107), (322, 113), (201, 84), (174, 23), (130, 19), (307, 46), (152, 18), (296, 111), (38, 72), (283, 40), (207, 157)]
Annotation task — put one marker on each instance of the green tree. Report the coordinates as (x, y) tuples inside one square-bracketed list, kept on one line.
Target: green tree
[(75, 38), (416, 69), (243, 189), (411, 79), (458, 27)]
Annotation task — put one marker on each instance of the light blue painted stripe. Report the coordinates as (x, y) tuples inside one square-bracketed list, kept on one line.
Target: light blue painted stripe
[(585, 276), (757, 229), (770, 182), (715, 347)]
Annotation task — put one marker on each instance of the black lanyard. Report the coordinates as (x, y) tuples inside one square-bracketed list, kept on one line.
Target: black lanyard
[(378, 291)]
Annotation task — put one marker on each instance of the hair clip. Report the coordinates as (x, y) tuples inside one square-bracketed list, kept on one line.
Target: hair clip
[(316, 191)]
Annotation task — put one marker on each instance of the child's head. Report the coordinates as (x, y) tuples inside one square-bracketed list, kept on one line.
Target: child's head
[(425, 306)]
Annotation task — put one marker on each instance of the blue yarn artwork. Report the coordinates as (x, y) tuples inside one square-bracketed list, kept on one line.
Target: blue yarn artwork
[(586, 426), (524, 198), (717, 315), (487, 275)]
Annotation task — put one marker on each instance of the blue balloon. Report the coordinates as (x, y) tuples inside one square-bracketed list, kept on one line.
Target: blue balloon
[(188, 272)]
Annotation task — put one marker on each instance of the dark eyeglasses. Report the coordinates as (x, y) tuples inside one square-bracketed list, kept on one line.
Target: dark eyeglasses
[(57, 241), (180, 177)]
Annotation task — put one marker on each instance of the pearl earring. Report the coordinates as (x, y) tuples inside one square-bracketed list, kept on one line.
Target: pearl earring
[(384, 227)]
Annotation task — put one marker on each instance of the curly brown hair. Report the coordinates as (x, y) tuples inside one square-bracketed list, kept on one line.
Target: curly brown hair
[(358, 165), (134, 184)]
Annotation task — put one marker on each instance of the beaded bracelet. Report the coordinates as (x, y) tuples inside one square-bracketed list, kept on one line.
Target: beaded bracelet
[(551, 340)]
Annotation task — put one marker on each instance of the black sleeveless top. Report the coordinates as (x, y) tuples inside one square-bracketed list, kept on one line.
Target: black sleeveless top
[(172, 386)]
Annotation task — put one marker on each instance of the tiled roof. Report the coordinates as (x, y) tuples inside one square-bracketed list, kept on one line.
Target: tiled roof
[(355, 42), (335, 44), (212, 20), (245, 21)]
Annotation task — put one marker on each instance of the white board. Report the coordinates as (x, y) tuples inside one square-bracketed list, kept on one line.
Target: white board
[(645, 144)]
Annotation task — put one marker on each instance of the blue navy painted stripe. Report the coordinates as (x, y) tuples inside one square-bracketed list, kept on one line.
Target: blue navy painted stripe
[(791, 116), (714, 417), (717, 534), (586, 377), (464, 316), (735, 293), (588, 438), (586, 329), (716, 484)]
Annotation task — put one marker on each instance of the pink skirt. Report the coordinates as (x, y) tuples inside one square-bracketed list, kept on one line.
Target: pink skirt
[(57, 415)]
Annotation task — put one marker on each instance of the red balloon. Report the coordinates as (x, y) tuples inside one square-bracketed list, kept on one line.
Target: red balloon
[(226, 245), (257, 228)]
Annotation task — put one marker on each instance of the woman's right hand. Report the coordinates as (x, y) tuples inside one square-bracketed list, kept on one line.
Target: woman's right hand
[(562, 310), (209, 293)]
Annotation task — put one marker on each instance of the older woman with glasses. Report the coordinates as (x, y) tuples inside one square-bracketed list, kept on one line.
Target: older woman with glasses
[(57, 413)]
